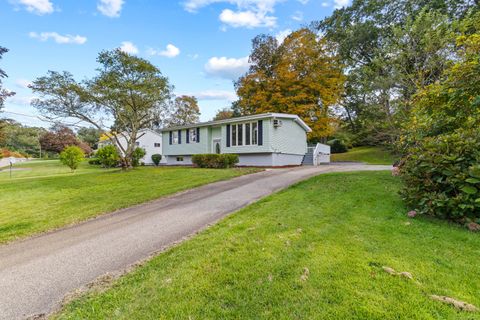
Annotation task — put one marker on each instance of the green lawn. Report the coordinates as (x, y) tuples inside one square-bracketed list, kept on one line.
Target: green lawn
[(46, 195), (342, 227), (370, 155)]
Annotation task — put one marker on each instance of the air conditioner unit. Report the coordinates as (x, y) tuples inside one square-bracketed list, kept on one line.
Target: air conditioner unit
[(277, 123)]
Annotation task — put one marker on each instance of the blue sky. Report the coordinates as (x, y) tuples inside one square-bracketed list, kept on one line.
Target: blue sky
[(200, 45)]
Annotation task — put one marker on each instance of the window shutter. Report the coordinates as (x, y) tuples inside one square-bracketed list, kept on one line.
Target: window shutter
[(179, 136), (198, 135), (170, 137), (260, 132), (228, 135), (188, 135)]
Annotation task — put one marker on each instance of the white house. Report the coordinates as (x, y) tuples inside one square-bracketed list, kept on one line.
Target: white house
[(149, 140)]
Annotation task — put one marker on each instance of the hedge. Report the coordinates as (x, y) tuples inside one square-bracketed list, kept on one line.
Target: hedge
[(213, 160)]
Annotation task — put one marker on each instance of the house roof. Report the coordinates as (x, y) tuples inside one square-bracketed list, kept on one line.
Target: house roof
[(295, 118)]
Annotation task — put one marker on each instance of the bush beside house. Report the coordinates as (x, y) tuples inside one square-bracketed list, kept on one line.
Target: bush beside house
[(156, 158), (215, 160), (107, 156)]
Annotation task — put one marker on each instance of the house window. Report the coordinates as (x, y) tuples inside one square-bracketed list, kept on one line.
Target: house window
[(247, 134), (137, 143), (179, 159), (192, 134), (244, 134), (234, 135), (156, 145), (174, 137), (254, 133)]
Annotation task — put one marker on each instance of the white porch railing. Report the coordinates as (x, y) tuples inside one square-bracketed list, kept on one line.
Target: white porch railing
[(321, 154)]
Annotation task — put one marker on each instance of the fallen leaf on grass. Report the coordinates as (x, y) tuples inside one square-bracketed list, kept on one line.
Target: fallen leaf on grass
[(395, 273), (460, 305), (389, 270), (406, 274), (305, 274)]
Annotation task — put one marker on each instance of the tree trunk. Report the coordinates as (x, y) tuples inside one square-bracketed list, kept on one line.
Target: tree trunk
[(126, 163)]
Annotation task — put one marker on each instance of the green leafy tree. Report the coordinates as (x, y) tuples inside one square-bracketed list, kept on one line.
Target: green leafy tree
[(185, 111), (390, 49), (90, 136), (440, 167), (138, 155), (72, 156), (127, 90), (22, 138), (4, 94), (108, 156)]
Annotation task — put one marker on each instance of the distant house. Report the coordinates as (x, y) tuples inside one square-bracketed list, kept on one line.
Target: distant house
[(269, 139), (150, 141)]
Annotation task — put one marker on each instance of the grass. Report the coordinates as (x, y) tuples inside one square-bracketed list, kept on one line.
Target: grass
[(369, 155), (45, 195), (342, 227)]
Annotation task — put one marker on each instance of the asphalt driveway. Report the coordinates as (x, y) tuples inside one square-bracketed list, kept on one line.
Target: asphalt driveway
[(36, 274)]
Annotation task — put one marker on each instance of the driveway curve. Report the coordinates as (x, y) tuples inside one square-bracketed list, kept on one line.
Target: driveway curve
[(36, 274)]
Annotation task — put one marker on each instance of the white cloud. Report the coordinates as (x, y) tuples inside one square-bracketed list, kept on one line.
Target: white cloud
[(280, 36), (297, 16), (215, 95), (228, 68), (248, 13), (39, 7), (303, 1), (341, 3), (170, 51), (128, 47), (58, 38), (325, 4), (21, 100), (249, 19), (194, 56), (110, 8), (22, 83)]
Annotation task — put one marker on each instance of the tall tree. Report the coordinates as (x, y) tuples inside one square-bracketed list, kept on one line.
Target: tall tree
[(127, 91), (185, 111), (222, 114), (3, 92), (90, 136), (61, 137), (22, 138), (300, 76), (390, 49)]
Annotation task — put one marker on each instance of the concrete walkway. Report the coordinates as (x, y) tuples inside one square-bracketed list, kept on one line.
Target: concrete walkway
[(36, 274)]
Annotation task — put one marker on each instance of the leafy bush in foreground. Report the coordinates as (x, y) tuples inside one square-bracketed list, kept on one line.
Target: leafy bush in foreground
[(71, 157), (442, 176), (108, 156), (156, 158), (215, 160)]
